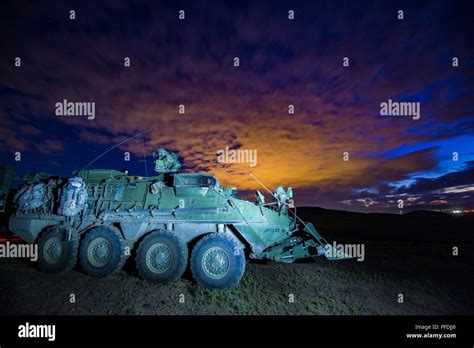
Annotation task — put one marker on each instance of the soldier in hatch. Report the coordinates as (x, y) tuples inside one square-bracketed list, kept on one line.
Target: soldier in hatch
[(165, 161)]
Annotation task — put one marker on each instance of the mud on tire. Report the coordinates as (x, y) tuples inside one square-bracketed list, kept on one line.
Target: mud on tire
[(218, 261), (55, 253), (102, 252), (162, 257)]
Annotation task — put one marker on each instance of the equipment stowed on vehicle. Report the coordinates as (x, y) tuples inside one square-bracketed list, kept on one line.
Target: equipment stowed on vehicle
[(30, 196), (171, 219), (73, 197)]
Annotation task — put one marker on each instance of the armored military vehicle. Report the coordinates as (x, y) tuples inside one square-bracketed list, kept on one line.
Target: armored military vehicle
[(167, 221)]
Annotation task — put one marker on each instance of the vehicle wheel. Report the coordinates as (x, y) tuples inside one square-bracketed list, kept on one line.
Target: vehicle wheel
[(55, 253), (102, 252), (162, 257), (218, 261)]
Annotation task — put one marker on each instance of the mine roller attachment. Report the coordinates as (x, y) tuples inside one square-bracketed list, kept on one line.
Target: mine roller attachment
[(57, 250), (102, 252), (162, 257), (218, 261), (324, 248)]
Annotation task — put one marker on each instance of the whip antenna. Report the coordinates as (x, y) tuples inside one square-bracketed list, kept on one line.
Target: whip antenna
[(113, 147)]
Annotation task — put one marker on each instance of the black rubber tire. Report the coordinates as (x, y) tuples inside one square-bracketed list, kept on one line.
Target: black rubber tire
[(236, 259), (68, 258), (118, 255), (179, 257)]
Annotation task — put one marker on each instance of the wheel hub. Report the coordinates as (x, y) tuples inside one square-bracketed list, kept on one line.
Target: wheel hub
[(158, 258), (99, 252), (53, 250), (216, 263)]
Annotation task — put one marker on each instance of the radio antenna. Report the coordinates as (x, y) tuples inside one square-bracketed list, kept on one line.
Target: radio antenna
[(113, 147), (144, 156)]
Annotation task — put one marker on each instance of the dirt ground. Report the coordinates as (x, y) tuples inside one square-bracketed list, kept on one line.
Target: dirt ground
[(431, 280)]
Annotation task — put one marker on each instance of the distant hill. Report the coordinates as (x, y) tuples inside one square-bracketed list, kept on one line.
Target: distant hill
[(416, 226), (319, 210)]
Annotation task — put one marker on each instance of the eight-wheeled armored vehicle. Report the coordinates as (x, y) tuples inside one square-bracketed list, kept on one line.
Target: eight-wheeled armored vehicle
[(167, 221)]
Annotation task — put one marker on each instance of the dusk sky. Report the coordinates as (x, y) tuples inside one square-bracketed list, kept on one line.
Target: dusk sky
[(282, 61)]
